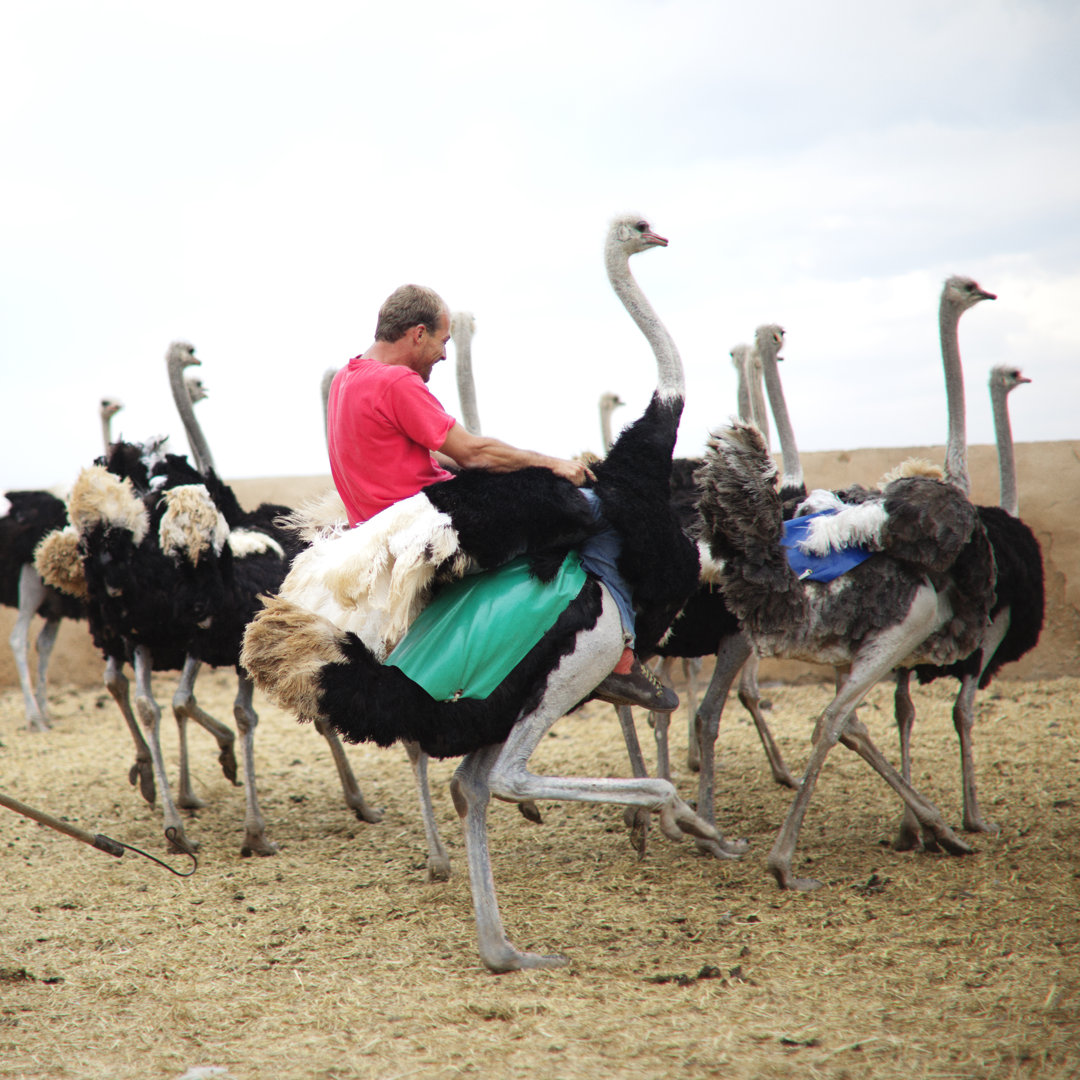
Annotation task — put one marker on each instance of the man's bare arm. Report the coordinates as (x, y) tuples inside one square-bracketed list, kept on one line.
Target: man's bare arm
[(482, 452)]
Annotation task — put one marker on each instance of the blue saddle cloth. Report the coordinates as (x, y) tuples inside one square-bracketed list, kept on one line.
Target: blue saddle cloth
[(818, 567), (477, 630)]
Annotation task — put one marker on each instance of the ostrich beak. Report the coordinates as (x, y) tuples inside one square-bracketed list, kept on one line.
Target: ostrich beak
[(654, 238)]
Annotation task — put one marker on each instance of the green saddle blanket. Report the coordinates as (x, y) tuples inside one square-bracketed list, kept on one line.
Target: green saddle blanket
[(477, 630)]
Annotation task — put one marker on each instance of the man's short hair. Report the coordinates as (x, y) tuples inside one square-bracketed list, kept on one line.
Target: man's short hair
[(406, 307)]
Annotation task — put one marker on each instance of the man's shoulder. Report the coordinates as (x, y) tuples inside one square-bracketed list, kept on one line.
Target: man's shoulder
[(376, 371)]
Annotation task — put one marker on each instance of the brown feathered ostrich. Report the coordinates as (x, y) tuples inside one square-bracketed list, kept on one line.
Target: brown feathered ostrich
[(1016, 618), (923, 597), (299, 651)]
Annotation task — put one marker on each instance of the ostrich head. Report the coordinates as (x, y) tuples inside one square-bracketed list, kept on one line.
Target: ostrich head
[(462, 322), (963, 292), (770, 337), (110, 407), (1006, 377), (609, 402), (181, 353), (739, 355), (196, 389), (632, 233)]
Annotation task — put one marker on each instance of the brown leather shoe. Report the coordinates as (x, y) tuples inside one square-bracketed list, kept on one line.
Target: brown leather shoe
[(638, 687)]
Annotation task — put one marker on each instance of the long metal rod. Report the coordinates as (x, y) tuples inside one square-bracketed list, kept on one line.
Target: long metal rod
[(95, 840)]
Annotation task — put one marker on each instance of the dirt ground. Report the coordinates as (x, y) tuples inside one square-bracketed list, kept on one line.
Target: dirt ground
[(335, 959)]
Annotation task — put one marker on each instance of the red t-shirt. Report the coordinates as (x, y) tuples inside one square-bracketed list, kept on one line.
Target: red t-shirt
[(382, 423)]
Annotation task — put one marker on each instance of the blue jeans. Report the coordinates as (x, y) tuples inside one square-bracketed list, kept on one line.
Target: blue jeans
[(599, 556)]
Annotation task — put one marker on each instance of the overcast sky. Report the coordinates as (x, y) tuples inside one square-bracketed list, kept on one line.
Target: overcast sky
[(256, 178)]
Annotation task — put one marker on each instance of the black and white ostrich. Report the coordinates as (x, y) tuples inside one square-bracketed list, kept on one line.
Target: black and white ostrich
[(298, 650), (1016, 618), (260, 550), (924, 597), (26, 517)]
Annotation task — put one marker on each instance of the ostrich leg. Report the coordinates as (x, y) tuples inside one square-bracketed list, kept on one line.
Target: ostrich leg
[(31, 595), (964, 720), (750, 697), (142, 771), (255, 839), (354, 797), (502, 771), (636, 819), (438, 860), (875, 661), (185, 708), (150, 717), (730, 657)]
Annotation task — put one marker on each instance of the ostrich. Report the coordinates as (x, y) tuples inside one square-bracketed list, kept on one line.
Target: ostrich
[(1004, 379), (462, 328), (324, 390), (317, 668), (108, 408), (706, 625), (26, 518), (1016, 618), (609, 402), (923, 598), (261, 551)]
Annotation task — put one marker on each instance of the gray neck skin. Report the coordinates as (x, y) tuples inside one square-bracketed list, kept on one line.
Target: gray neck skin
[(607, 407), (324, 388), (956, 463), (768, 350), (999, 400), (669, 385), (106, 429), (470, 414), (751, 391), (200, 449)]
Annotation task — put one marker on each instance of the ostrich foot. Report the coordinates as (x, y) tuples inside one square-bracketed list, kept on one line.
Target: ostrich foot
[(38, 721), (976, 823), (188, 800), (359, 806), (257, 844), (438, 868), (780, 868), (723, 848), (506, 958), (784, 778), (142, 773), (637, 821), (177, 842), (908, 837), (530, 811), (678, 819), (227, 759)]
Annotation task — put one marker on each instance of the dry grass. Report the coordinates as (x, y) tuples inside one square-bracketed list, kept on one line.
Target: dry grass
[(336, 960)]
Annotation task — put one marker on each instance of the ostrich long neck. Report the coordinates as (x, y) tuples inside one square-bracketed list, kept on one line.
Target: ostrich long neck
[(466, 385), (200, 449), (740, 357), (789, 451), (670, 385), (999, 399), (324, 389), (606, 409), (956, 463), (758, 411), (106, 429)]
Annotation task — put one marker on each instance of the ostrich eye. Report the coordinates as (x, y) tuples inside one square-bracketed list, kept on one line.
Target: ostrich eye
[(642, 226)]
